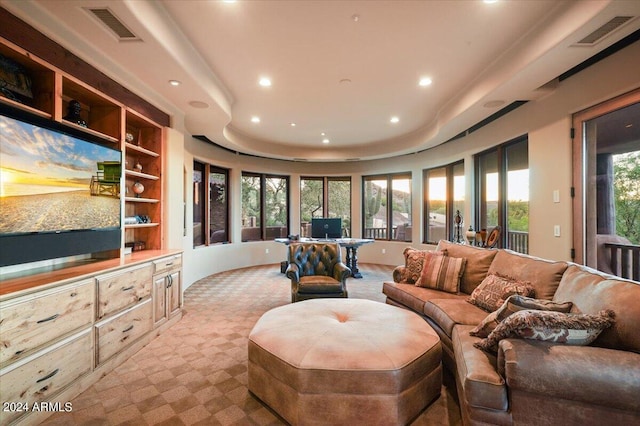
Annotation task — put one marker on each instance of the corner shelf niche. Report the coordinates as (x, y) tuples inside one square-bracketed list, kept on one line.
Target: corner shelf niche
[(143, 164)]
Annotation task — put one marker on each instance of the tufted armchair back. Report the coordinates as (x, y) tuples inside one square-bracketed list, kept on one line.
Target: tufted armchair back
[(316, 270), (315, 258)]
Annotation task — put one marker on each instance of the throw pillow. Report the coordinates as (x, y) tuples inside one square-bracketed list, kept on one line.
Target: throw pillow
[(495, 289), (549, 326), (413, 264), (441, 272), (513, 304)]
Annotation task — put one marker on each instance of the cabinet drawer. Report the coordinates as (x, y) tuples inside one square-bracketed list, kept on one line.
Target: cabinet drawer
[(31, 321), (116, 333), (167, 263), (124, 288), (42, 377)]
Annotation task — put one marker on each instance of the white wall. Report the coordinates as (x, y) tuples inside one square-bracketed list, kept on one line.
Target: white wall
[(546, 122)]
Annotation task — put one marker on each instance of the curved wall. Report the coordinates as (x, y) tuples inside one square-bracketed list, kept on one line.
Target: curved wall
[(547, 122)]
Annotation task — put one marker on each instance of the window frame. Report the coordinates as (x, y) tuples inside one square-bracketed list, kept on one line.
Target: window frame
[(204, 194), (501, 151), (389, 177), (262, 208), (449, 170), (326, 196)]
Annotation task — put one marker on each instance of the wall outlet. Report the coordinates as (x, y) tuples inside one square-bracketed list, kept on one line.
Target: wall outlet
[(556, 230), (384, 251), (266, 251), (556, 195)]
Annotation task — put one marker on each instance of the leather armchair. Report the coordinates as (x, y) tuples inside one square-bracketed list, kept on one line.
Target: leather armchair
[(316, 270)]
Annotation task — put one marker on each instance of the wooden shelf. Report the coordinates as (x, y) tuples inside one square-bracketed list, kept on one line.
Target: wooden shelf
[(142, 225), (91, 131), (24, 107), (141, 200), (140, 175), (141, 150)]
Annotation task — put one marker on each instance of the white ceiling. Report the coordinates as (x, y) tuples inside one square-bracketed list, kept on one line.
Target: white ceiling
[(480, 57)]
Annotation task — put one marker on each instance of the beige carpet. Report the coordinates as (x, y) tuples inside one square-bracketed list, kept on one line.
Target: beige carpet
[(196, 372)]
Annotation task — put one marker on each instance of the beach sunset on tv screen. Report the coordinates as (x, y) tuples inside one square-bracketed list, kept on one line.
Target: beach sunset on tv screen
[(46, 181)]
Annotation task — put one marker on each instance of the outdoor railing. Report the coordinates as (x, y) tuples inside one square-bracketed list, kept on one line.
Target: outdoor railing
[(625, 260), (375, 233), (518, 241)]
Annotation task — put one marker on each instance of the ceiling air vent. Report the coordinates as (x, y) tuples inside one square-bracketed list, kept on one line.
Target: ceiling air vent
[(603, 31), (114, 24)]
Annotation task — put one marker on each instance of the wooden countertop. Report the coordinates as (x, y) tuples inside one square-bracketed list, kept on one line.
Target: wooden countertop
[(61, 274)]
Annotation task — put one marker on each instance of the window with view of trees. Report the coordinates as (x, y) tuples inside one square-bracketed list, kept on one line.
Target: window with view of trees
[(386, 207), (626, 189), (265, 206), (325, 197), (444, 189), (210, 204), (502, 185)]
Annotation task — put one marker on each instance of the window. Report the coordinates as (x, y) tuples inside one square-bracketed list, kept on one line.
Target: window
[(210, 204), (503, 193), (316, 202), (387, 207), (444, 189), (265, 206)]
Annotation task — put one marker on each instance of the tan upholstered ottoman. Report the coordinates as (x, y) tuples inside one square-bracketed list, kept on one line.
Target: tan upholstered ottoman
[(344, 361)]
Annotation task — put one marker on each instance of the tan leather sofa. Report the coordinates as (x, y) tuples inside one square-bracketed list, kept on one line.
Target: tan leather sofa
[(532, 382)]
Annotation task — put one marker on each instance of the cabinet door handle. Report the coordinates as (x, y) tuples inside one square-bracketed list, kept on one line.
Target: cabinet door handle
[(168, 264), (170, 281), (128, 328), (48, 376), (51, 318), (127, 288)]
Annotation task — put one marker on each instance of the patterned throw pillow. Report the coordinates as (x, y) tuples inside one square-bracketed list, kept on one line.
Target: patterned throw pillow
[(549, 326), (414, 262), (495, 289), (441, 272), (515, 304)]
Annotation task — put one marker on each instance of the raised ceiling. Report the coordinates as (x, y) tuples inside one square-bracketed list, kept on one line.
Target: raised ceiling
[(339, 70)]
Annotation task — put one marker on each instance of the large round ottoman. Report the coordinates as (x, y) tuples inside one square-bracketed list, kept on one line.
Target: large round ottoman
[(344, 361)]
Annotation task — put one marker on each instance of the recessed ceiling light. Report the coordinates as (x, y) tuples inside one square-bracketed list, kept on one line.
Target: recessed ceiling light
[(199, 104), (325, 141), (394, 119), (322, 134), (292, 124), (425, 81), (628, 126), (255, 119), (490, 1), (174, 82), (264, 82), (355, 17)]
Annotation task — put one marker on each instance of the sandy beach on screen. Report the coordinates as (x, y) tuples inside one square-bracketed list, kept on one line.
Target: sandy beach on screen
[(58, 211)]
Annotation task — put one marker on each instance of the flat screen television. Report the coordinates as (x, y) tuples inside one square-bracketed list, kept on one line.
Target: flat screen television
[(52, 203), (326, 227)]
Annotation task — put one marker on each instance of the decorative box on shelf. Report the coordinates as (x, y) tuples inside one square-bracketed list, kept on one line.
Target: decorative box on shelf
[(136, 245)]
